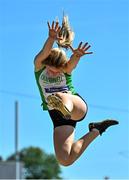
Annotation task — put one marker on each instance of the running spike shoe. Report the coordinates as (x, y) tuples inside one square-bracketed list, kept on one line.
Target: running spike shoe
[(102, 126), (56, 102)]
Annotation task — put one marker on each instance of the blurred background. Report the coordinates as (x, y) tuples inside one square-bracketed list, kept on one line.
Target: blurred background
[(102, 79)]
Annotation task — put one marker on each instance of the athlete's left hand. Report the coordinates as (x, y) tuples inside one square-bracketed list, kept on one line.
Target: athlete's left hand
[(81, 50)]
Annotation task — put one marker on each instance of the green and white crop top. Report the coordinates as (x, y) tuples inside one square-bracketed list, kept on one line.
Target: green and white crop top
[(49, 85)]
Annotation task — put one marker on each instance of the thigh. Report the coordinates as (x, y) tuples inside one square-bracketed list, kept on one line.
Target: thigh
[(80, 107), (63, 140)]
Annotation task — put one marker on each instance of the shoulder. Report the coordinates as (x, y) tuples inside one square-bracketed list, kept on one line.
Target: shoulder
[(37, 65), (67, 70), (39, 69)]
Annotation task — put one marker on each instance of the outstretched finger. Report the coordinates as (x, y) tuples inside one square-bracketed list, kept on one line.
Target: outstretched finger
[(53, 25), (56, 26), (58, 29), (86, 48), (79, 45), (48, 25), (88, 52), (83, 47)]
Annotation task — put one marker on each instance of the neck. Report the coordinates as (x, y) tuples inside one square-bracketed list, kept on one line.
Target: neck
[(52, 73)]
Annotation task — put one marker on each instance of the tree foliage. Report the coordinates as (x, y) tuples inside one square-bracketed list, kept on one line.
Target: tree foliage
[(38, 164)]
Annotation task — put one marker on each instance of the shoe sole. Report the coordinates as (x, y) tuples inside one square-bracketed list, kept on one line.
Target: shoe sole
[(56, 103), (109, 122)]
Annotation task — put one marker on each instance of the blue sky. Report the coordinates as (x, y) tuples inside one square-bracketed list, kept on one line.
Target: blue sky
[(101, 78)]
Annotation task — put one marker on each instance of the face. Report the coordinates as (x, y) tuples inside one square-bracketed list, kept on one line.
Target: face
[(53, 70)]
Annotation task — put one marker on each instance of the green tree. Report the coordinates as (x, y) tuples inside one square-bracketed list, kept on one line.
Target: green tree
[(1, 159), (38, 164)]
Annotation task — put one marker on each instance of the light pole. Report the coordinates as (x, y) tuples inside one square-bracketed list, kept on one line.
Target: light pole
[(16, 141)]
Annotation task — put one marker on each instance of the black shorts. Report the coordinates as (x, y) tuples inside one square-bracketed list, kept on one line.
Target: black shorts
[(59, 120)]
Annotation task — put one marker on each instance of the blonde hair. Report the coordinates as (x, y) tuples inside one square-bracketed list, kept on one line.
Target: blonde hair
[(66, 32), (57, 58)]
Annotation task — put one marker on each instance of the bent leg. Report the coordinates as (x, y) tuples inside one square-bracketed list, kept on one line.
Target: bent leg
[(67, 151), (80, 145)]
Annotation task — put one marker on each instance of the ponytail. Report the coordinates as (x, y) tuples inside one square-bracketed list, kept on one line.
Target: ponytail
[(66, 33)]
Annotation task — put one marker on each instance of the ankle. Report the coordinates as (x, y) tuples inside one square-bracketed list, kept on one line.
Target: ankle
[(96, 131)]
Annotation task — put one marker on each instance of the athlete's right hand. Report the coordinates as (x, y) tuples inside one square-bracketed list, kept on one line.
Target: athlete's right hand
[(54, 30)]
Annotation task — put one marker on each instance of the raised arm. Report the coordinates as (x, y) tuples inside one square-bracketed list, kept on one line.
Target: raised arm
[(77, 54), (45, 51)]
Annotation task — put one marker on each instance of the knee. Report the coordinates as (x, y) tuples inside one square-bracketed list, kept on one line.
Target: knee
[(66, 100), (64, 162)]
